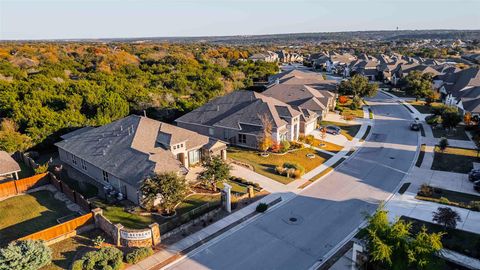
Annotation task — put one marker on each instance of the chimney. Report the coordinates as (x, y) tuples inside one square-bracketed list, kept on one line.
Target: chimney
[(144, 113), (104, 152)]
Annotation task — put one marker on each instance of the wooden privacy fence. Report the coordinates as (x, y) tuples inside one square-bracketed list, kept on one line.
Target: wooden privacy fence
[(71, 194), (63, 230), (15, 187)]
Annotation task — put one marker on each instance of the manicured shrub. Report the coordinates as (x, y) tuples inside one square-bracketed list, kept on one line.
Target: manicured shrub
[(356, 103), (261, 207), (301, 138), (475, 205), (275, 148), (294, 166), (310, 139), (443, 143), (425, 190), (25, 254), (138, 254), (284, 146), (296, 145), (77, 265), (343, 99), (104, 258)]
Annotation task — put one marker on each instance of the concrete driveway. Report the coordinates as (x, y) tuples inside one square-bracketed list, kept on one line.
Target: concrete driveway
[(302, 231)]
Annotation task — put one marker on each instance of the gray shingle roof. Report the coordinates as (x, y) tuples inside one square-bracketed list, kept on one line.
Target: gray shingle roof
[(129, 148), (7, 164), (240, 107)]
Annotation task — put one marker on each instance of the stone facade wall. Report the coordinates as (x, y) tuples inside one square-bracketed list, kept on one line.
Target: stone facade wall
[(127, 237)]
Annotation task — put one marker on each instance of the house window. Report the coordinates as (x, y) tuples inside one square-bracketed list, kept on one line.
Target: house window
[(74, 159), (211, 131), (105, 176), (193, 157), (84, 164), (242, 138)]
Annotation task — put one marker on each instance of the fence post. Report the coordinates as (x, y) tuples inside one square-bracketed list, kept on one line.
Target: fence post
[(117, 238), (15, 184)]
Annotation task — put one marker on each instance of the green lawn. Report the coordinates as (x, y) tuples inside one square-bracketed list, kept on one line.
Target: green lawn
[(348, 130), (454, 159), (458, 135), (266, 165), (63, 253), (422, 107), (460, 241), (25, 171), (454, 198), (116, 213), (194, 201), (26, 214), (345, 109), (235, 187), (328, 146)]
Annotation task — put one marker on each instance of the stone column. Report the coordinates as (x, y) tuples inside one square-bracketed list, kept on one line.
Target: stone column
[(116, 238), (251, 192), (155, 233), (96, 213), (228, 199)]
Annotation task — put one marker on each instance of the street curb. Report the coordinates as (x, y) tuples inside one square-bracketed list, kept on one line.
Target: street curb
[(355, 231)]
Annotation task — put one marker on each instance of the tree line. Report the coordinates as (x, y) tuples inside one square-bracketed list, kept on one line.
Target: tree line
[(48, 89)]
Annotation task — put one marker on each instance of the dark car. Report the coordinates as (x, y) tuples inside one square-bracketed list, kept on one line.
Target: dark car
[(476, 185), (332, 129), (474, 175), (415, 126)]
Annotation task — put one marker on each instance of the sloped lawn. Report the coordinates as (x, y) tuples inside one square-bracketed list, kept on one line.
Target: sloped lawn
[(266, 165)]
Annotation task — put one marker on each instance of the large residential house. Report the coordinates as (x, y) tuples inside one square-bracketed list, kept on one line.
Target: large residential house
[(286, 57), (304, 97), (462, 89), (237, 119), (402, 70), (120, 155)]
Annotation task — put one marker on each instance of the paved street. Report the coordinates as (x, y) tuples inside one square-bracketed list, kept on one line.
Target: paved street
[(302, 231)]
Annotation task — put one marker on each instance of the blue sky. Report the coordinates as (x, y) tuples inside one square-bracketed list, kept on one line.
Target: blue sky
[(20, 19)]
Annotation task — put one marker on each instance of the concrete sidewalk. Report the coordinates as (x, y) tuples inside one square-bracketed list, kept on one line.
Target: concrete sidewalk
[(175, 251), (407, 205)]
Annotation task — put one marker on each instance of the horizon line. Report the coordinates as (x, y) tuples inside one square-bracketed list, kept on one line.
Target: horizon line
[(224, 36)]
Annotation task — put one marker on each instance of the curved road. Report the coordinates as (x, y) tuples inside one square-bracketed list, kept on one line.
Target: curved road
[(327, 211)]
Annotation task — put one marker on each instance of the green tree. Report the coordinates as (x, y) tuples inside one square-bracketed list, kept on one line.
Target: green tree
[(451, 118), (10, 139), (358, 86), (393, 245), (443, 143), (447, 217), (418, 84), (25, 255), (216, 169), (169, 188)]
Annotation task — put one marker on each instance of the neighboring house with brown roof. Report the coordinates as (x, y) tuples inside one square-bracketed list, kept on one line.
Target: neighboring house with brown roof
[(125, 152), (236, 118), (295, 76), (265, 56), (9, 168)]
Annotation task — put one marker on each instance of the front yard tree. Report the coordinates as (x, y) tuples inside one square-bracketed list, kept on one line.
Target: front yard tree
[(418, 84), (451, 118), (358, 86), (25, 254), (169, 186), (443, 143), (265, 140), (216, 170), (393, 246), (447, 217)]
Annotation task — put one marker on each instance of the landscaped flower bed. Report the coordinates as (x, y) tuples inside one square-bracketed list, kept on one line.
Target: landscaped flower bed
[(448, 197), (291, 170)]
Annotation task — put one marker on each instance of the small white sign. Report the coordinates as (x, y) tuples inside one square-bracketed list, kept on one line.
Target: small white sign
[(135, 235)]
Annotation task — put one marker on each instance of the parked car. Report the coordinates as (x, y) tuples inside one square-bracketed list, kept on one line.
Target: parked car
[(415, 126), (332, 129), (474, 175), (476, 185)]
